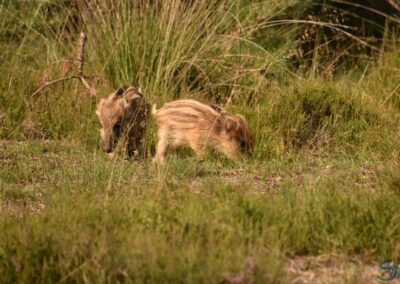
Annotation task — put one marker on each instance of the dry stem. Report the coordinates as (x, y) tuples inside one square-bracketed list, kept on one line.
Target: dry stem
[(79, 76)]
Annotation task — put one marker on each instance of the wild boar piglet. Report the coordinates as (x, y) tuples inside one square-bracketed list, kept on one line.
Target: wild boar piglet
[(200, 126), (123, 116)]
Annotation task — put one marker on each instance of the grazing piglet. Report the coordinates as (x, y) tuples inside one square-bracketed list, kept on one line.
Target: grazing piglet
[(200, 126), (123, 116)]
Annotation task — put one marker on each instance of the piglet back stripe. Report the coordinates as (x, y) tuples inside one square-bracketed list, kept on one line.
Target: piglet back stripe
[(188, 108), (192, 103), (181, 113)]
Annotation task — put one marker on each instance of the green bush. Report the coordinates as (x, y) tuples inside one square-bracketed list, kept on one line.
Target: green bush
[(322, 116)]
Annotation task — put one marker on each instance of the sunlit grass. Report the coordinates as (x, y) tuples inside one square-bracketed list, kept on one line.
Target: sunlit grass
[(323, 178)]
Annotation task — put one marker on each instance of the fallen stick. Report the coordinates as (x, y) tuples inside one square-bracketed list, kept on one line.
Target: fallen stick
[(79, 76)]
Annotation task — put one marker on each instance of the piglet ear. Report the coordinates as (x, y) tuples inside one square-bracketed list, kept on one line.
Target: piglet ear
[(131, 95), (241, 119), (118, 93), (230, 124)]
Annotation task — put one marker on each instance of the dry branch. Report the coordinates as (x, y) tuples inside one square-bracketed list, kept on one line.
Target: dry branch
[(79, 76), (53, 82), (81, 53)]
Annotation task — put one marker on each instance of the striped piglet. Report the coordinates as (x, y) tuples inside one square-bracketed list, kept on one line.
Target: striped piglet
[(123, 116), (200, 126)]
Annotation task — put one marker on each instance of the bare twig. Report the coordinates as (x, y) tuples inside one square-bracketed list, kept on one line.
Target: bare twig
[(84, 82), (79, 76), (81, 57), (53, 82)]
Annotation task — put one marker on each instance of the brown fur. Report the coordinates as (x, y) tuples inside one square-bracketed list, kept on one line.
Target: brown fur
[(123, 116), (200, 126)]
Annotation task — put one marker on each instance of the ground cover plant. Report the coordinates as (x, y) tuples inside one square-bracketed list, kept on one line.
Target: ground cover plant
[(316, 202)]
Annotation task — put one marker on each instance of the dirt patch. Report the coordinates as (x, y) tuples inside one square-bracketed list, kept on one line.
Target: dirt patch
[(333, 269)]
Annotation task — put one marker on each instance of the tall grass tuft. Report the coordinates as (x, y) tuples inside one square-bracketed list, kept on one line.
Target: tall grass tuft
[(170, 49)]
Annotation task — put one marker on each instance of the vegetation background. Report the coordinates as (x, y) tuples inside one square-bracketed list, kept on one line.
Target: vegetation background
[(317, 202)]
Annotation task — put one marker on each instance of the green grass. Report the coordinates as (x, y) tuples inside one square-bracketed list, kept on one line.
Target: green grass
[(320, 190), (73, 214)]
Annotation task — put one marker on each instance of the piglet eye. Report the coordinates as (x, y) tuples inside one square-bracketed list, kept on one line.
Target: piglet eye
[(117, 126), (242, 144)]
